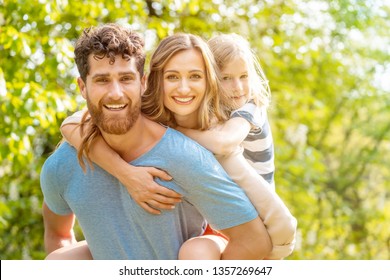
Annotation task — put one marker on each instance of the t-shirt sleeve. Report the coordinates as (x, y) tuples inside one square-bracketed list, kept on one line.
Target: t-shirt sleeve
[(50, 185), (255, 115)]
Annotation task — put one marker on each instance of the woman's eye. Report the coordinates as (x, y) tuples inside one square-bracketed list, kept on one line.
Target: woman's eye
[(226, 78), (171, 77), (244, 76), (196, 76)]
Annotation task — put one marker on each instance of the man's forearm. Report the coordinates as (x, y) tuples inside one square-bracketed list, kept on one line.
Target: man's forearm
[(58, 229), (53, 242)]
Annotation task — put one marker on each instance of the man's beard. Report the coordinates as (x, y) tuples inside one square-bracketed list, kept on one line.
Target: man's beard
[(114, 124)]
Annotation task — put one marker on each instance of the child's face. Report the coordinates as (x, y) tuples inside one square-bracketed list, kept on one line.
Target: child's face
[(235, 81)]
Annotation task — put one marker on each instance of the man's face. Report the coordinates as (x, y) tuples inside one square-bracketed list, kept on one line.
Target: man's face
[(113, 94)]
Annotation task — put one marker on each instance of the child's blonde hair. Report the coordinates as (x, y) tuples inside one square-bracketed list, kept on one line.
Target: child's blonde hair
[(226, 47)]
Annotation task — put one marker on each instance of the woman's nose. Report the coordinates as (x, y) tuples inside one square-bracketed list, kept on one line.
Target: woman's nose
[(184, 86)]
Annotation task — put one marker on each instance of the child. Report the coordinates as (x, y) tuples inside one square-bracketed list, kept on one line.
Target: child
[(281, 225), (247, 132)]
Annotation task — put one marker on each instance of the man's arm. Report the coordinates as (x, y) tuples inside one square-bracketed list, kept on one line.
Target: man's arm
[(58, 230), (248, 241)]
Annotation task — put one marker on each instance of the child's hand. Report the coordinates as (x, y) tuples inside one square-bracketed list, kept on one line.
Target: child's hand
[(146, 192)]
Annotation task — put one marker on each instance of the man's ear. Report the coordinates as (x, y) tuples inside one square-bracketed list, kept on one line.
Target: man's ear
[(143, 84), (82, 87)]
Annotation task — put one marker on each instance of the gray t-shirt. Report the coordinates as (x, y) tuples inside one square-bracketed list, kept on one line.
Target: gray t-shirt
[(258, 145), (115, 227)]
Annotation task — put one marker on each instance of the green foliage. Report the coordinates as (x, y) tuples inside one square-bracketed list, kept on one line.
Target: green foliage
[(330, 109)]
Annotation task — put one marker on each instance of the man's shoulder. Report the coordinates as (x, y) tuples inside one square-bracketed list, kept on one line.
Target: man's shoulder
[(64, 150), (63, 153), (179, 141), (184, 151), (177, 148)]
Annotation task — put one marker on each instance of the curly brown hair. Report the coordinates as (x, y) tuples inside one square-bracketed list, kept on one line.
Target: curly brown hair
[(108, 40)]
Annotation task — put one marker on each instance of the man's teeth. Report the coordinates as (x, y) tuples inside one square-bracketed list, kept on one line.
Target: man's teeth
[(183, 99), (115, 106)]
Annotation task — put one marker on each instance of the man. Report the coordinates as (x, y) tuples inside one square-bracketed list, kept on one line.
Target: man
[(110, 60)]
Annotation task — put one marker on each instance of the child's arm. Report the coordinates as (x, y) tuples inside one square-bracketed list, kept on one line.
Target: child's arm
[(280, 223), (223, 139), (137, 180)]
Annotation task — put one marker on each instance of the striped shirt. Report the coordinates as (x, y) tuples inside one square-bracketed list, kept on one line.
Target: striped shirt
[(258, 145)]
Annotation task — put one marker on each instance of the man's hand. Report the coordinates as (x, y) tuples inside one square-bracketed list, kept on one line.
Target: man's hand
[(146, 192)]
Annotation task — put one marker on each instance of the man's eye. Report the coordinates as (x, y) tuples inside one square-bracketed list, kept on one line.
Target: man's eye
[(102, 80), (127, 78)]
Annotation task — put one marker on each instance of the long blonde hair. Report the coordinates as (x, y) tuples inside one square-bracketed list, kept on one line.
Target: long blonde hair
[(226, 47), (152, 99)]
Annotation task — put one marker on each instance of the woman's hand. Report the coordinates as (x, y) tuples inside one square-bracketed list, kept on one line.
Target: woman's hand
[(151, 196)]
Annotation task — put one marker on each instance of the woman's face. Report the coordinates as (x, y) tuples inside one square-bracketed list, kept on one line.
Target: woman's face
[(235, 81), (185, 86)]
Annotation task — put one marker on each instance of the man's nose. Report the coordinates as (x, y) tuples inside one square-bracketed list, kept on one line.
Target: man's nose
[(115, 91)]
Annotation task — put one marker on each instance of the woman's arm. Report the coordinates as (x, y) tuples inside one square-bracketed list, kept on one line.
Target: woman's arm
[(223, 139), (137, 180)]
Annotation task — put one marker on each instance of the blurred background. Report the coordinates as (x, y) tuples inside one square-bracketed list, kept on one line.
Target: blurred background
[(328, 63)]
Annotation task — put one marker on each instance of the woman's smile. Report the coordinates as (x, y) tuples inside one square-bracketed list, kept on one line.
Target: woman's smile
[(183, 100)]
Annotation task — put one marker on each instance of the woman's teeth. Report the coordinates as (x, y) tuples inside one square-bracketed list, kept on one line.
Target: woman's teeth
[(183, 99)]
